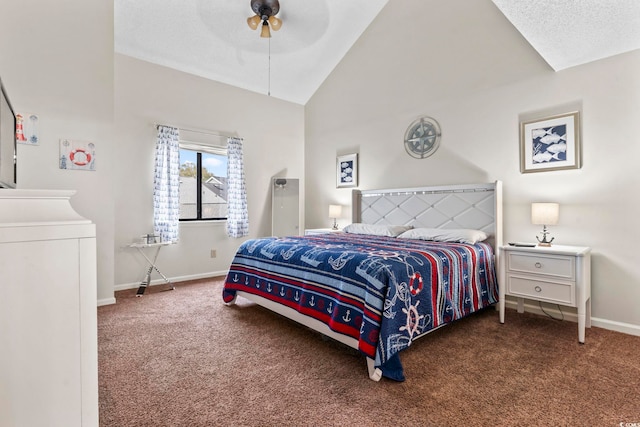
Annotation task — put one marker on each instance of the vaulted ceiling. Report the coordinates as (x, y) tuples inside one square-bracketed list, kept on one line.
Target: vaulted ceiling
[(210, 38)]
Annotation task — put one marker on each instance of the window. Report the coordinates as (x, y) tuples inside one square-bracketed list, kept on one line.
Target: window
[(203, 182)]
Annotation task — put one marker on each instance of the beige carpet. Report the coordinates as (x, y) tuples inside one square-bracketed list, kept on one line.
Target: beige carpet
[(182, 358)]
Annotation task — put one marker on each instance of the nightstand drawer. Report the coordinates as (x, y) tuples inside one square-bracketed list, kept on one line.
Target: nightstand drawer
[(556, 266), (540, 290)]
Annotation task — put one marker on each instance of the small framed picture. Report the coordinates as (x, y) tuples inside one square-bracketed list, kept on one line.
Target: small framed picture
[(551, 143), (347, 171), (27, 129), (77, 155)]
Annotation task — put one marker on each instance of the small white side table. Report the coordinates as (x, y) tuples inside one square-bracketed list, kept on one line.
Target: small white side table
[(152, 264), (312, 231), (555, 274)]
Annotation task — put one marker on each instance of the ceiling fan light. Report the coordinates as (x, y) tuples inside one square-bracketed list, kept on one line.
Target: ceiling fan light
[(265, 30), (276, 23), (253, 22)]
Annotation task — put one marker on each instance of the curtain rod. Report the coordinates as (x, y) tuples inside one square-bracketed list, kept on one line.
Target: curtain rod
[(201, 131)]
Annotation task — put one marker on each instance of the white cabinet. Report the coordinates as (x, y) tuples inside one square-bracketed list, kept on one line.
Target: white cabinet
[(285, 207), (556, 274), (48, 314), (312, 231)]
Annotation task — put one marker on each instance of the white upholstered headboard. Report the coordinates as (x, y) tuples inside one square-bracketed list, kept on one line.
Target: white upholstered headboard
[(475, 206)]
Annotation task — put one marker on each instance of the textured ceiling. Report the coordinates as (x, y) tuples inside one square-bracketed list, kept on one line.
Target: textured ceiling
[(210, 38), (567, 33)]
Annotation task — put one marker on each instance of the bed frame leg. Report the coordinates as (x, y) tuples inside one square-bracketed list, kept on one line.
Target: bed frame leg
[(374, 373), (233, 301)]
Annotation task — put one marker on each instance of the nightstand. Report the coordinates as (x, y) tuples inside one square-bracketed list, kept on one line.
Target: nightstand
[(555, 274), (312, 231)]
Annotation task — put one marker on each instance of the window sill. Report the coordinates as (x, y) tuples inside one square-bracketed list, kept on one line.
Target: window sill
[(203, 222)]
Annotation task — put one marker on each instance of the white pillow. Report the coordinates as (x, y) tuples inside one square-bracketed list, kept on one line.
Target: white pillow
[(376, 229), (461, 235)]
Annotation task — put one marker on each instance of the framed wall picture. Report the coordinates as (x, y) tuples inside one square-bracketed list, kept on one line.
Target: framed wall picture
[(347, 171), (551, 143), (27, 129), (77, 155)]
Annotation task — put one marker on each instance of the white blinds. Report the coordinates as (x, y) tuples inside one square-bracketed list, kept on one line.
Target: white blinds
[(204, 147)]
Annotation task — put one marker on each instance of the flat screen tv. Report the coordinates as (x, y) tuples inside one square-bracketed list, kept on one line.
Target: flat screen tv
[(7, 141)]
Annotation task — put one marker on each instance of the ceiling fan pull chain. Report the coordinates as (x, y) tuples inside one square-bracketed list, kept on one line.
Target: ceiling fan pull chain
[(269, 84)]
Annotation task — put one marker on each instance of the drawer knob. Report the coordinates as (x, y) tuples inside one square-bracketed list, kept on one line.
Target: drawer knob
[(538, 289), (538, 265)]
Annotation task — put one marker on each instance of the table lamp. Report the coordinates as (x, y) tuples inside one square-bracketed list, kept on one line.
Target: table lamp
[(544, 214), (335, 211)]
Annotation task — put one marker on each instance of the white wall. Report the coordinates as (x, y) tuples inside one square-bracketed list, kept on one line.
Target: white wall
[(273, 133), (473, 72), (56, 61)]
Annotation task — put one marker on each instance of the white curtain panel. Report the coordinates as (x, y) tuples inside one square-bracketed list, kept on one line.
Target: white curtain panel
[(166, 185), (237, 213)]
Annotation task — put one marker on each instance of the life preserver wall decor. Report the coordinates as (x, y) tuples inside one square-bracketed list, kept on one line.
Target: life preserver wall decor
[(78, 155)]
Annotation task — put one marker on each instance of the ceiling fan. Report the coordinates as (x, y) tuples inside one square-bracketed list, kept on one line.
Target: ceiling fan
[(265, 11)]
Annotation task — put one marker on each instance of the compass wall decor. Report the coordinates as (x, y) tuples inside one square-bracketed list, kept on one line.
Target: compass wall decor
[(422, 137)]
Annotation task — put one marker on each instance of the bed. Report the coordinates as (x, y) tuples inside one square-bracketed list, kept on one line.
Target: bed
[(412, 261)]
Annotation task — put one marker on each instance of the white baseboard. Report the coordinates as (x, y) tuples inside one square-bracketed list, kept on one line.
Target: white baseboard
[(612, 325), (106, 301), (531, 307), (177, 279)]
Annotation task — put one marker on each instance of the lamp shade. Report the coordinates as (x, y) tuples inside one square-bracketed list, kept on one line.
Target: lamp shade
[(265, 30), (335, 211), (545, 213), (254, 21), (276, 23)]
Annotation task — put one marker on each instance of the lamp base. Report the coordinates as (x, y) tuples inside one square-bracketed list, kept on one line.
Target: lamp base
[(544, 241), (335, 224)]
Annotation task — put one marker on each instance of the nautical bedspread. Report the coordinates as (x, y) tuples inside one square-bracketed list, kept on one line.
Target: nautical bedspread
[(382, 291)]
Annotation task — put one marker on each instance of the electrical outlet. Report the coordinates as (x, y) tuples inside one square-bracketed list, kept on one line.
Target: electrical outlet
[(213, 253)]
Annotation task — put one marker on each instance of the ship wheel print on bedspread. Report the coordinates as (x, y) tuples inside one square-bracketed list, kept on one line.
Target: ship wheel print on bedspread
[(409, 321), (401, 305), (371, 268)]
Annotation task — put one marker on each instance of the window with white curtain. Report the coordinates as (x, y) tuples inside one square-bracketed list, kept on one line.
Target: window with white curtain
[(203, 182)]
